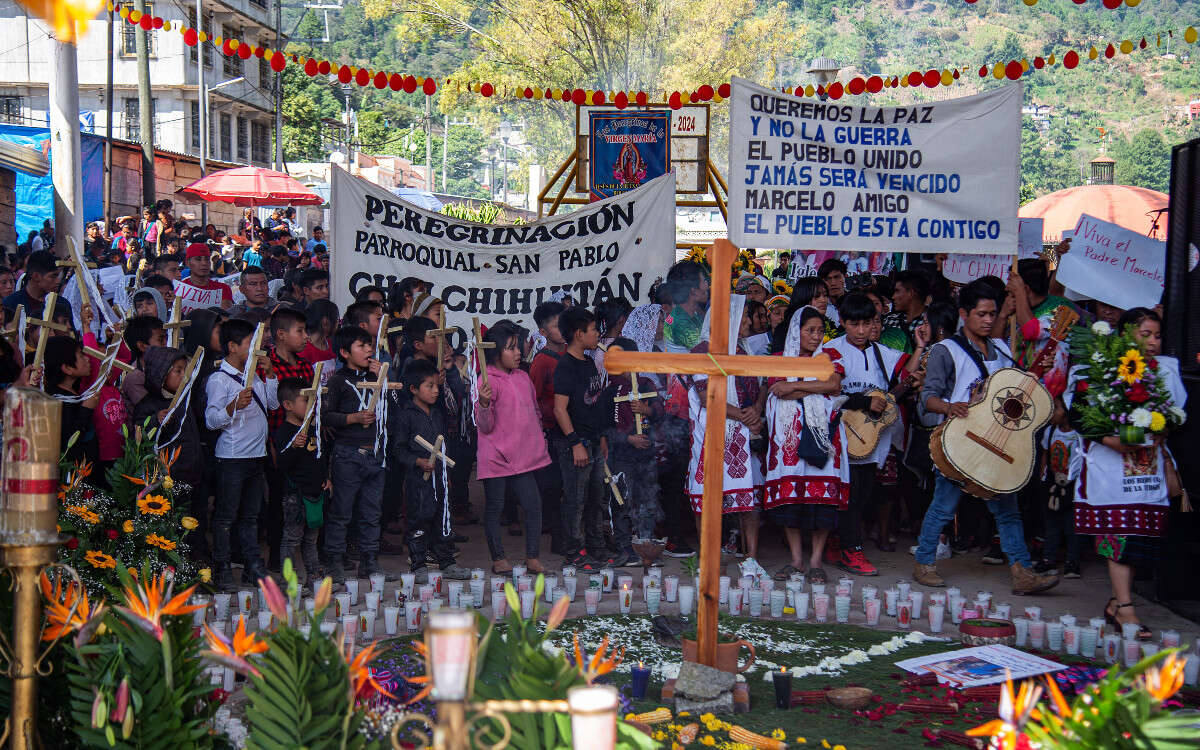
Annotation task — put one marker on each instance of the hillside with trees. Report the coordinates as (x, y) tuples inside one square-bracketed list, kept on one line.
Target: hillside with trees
[(1133, 107)]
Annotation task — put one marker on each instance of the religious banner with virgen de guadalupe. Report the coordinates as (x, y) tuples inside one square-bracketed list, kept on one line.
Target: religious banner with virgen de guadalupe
[(627, 149), (612, 248)]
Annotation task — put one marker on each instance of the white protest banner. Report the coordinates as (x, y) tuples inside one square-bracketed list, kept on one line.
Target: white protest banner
[(832, 175), (966, 268), (611, 248), (195, 298), (1114, 265)]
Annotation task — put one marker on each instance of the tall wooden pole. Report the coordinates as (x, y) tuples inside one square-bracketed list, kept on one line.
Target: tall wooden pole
[(145, 110), (108, 129), (66, 170), (722, 257)]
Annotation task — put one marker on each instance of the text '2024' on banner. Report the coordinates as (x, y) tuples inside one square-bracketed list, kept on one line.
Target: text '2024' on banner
[(938, 177)]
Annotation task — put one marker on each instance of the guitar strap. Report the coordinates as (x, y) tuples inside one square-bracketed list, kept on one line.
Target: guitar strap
[(887, 378), (961, 340)]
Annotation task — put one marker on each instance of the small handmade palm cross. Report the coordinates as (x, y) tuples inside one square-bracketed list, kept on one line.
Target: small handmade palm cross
[(718, 366)]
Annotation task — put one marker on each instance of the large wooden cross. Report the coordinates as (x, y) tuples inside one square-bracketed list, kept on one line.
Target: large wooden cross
[(480, 345), (717, 365), (441, 332), (176, 324)]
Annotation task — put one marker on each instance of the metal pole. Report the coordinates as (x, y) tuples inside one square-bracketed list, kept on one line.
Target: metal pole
[(145, 112), (346, 91), (428, 143), (202, 95), (108, 129), (278, 90), (504, 195), (445, 144), (65, 158)]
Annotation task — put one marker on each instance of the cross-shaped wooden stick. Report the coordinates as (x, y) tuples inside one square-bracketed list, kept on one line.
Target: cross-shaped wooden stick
[(435, 452), (481, 344), (97, 354), (718, 365), (441, 332), (611, 481), (176, 324), (253, 354), (639, 421), (75, 261), (47, 324), (378, 386), (312, 391), (192, 364), (13, 334)]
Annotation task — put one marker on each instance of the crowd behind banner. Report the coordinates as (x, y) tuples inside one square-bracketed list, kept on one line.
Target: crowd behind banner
[(361, 427)]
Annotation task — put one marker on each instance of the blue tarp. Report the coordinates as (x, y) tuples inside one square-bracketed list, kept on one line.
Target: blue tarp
[(422, 198), (35, 195)]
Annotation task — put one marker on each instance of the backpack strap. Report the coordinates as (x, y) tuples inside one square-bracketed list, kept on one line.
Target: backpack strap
[(965, 345)]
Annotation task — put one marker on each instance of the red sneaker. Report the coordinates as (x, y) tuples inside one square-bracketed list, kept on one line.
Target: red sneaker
[(854, 561)]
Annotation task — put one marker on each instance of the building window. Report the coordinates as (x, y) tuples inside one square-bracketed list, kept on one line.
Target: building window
[(196, 126), (233, 63), (243, 140), (259, 3), (226, 138), (10, 110), (260, 142), (208, 25), (129, 34), (264, 67), (133, 122)]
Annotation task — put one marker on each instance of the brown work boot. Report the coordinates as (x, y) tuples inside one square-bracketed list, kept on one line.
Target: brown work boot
[(1025, 581), (927, 575)]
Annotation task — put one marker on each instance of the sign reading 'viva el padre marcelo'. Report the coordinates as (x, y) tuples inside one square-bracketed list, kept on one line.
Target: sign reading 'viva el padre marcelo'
[(612, 248)]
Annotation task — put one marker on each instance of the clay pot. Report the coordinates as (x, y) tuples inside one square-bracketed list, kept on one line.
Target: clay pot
[(727, 655)]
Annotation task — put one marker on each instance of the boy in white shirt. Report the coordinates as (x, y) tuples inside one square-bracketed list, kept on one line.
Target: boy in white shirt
[(240, 413)]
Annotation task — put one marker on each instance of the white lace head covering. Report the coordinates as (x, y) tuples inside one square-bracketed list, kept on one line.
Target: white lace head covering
[(737, 305), (816, 407), (642, 326)]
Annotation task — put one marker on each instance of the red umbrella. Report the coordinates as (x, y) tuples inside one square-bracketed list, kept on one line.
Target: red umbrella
[(252, 186)]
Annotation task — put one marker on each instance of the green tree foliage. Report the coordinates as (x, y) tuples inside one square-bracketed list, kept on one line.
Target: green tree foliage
[(1144, 161)]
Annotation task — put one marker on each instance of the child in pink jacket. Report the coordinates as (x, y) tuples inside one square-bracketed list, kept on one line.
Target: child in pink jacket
[(511, 445)]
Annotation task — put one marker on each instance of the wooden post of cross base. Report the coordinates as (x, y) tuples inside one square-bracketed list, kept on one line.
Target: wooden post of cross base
[(718, 365)]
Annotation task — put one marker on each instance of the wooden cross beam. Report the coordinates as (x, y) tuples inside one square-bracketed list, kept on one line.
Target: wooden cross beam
[(176, 324), (75, 261), (47, 324), (312, 391), (611, 481), (635, 394), (481, 344), (253, 354), (441, 332), (435, 452), (97, 354), (378, 386), (192, 364), (717, 365), (13, 334)]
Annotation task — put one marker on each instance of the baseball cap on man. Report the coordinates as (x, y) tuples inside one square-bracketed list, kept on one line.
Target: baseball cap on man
[(197, 250)]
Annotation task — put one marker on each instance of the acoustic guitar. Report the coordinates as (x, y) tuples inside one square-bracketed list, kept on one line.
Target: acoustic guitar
[(864, 428), (991, 450)]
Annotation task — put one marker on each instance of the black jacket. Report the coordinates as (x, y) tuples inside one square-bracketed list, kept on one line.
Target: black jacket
[(188, 466), (410, 421), (342, 400)]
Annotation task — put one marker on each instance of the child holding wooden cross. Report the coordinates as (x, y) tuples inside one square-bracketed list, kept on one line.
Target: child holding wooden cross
[(425, 488)]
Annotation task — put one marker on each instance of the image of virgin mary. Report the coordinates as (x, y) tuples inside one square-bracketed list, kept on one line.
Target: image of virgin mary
[(629, 167)]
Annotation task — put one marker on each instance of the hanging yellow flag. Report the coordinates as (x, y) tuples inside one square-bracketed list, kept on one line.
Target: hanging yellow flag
[(68, 18)]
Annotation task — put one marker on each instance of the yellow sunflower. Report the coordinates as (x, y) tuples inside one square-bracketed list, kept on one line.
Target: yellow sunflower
[(154, 505), (1132, 367), (127, 527), (154, 540), (84, 513), (99, 560)]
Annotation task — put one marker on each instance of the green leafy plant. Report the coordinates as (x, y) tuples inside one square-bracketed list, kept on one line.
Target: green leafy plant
[(136, 682), (521, 664), (483, 213), (1123, 711), (302, 688), (691, 566)]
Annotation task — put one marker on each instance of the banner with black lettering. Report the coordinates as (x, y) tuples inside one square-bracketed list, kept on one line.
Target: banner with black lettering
[(611, 248), (834, 175)]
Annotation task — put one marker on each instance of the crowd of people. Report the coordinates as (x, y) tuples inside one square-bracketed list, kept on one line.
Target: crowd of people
[(406, 416)]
